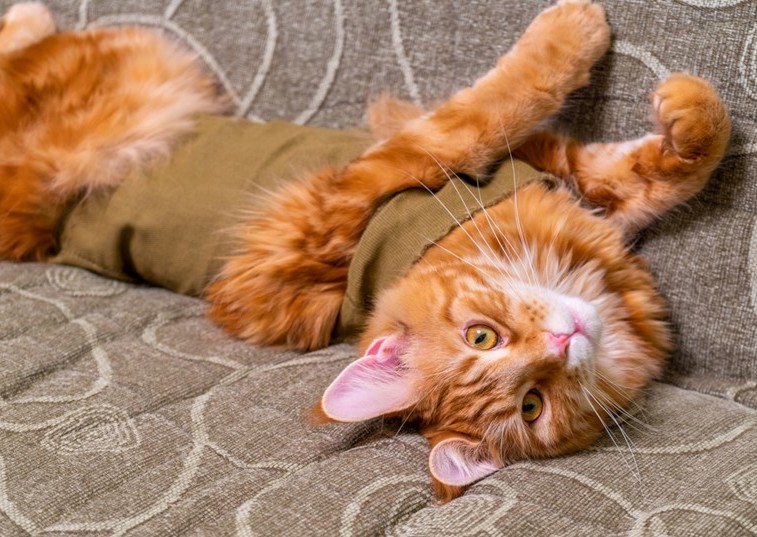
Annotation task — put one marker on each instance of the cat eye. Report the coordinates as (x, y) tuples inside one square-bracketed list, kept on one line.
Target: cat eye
[(532, 406), (480, 336)]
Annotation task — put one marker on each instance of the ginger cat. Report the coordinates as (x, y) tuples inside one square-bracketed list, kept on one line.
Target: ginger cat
[(517, 335)]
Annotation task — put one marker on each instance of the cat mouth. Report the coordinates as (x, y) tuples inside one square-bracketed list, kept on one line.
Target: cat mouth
[(580, 350), (586, 321), (579, 342)]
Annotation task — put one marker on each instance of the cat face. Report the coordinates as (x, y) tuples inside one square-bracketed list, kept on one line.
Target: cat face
[(500, 358), (495, 366)]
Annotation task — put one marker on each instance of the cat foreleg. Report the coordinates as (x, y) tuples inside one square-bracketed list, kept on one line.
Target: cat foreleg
[(482, 123), (637, 181)]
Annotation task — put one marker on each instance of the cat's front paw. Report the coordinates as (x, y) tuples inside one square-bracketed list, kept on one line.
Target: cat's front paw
[(566, 40), (581, 24), (692, 118)]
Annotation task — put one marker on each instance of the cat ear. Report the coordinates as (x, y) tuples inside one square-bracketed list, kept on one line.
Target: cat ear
[(458, 462), (371, 386)]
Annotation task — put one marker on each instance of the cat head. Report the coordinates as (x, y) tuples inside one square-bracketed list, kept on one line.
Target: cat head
[(494, 365)]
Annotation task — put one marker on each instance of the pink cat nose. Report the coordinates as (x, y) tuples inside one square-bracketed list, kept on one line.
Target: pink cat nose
[(560, 341)]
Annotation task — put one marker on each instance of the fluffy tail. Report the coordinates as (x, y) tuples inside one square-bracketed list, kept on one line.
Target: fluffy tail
[(79, 111)]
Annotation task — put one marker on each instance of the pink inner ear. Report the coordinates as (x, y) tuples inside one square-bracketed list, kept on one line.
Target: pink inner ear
[(376, 384), (459, 462)]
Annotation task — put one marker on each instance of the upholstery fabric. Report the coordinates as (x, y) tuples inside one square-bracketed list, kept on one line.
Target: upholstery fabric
[(124, 411)]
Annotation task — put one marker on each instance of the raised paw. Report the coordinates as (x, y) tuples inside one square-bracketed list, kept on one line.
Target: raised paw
[(567, 39), (25, 24), (582, 25), (691, 117)]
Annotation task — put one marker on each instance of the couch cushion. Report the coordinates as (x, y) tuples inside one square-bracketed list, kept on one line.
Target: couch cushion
[(123, 409)]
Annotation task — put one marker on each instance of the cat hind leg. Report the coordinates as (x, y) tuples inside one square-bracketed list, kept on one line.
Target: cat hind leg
[(25, 24)]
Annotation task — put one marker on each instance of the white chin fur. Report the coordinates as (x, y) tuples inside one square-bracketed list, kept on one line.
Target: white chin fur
[(581, 352)]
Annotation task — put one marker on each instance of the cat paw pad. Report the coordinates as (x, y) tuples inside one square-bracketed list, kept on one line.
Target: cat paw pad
[(691, 116)]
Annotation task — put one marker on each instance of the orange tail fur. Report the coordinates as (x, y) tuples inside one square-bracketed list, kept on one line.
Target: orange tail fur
[(78, 111)]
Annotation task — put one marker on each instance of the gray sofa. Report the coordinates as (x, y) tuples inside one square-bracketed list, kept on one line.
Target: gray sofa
[(124, 411)]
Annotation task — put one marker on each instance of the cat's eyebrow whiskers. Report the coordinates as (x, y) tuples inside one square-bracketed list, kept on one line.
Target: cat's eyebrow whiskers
[(459, 224), (265, 190), (498, 232), (496, 263), (530, 273), (492, 259), (492, 224), (475, 224), (479, 269)]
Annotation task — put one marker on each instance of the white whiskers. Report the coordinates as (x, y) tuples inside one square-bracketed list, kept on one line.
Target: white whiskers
[(633, 469)]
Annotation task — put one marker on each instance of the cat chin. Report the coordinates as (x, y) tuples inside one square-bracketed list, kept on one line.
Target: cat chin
[(588, 328), (582, 353)]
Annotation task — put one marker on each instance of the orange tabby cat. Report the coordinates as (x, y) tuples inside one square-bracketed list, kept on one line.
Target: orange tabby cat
[(516, 336)]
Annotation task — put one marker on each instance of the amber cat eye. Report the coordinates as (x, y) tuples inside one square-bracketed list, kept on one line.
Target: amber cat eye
[(480, 336), (532, 406)]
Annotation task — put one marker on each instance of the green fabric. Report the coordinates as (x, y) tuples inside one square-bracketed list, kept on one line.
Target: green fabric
[(169, 226), (407, 225)]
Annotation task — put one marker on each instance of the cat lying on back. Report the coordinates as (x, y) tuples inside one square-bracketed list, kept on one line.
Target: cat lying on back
[(513, 336)]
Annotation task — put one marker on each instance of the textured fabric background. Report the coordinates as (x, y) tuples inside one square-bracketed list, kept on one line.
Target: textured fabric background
[(122, 410)]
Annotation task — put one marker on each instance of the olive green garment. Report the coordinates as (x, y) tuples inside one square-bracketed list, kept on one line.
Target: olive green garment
[(409, 223), (169, 225)]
